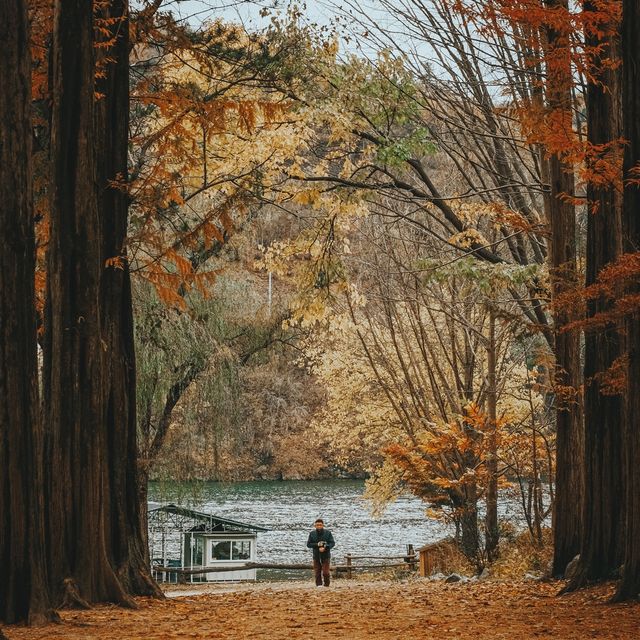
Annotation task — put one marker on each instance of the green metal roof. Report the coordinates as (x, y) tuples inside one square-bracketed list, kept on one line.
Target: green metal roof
[(206, 518)]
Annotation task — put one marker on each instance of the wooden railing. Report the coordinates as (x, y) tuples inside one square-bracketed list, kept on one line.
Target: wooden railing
[(237, 567), (409, 561), (182, 574), (431, 558)]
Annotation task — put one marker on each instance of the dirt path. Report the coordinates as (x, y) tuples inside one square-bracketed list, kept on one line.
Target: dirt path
[(353, 610)]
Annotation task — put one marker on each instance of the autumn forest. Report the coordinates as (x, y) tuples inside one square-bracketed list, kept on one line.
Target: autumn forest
[(395, 240)]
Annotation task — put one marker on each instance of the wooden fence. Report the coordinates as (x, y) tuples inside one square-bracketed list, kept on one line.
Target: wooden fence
[(410, 561), (439, 556)]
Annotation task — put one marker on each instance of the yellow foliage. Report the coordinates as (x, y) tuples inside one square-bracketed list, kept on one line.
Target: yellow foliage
[(468, 239)]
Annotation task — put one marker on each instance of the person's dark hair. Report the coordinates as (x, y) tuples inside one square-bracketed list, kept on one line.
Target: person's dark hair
[(319, 520)]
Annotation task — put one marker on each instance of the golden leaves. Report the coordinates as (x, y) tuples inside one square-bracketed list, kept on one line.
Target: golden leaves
[(468, 239), (307, 197), (204, 145), (411, 608)]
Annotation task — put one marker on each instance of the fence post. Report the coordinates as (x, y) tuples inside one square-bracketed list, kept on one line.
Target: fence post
[(411, 557), (348, 558)]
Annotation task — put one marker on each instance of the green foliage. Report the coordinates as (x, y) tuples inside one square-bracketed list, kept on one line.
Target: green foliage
[(488, 278), (243, 404), (385, 100), (171, 343), (395, 152)]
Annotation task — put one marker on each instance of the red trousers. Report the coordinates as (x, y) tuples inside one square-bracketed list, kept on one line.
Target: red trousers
[(321, 569)]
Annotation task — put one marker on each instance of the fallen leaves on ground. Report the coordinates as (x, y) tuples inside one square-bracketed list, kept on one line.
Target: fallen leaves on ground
[(353, 610)]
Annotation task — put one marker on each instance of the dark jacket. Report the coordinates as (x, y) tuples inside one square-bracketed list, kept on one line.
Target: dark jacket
[(317, 536)]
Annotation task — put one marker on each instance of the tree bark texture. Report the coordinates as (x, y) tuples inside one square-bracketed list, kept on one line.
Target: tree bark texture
[(569, 482), (601, 552), (126, 524), (469, 538), (630, 48), (95, 547), (492, 533), (569, 446), (23, 584)]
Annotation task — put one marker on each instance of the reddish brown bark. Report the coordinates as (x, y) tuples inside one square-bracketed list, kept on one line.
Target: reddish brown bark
[(23, 588), (630, 51), (74, 353), (603, 515), (125, 524), (569, 446), (96, 545)]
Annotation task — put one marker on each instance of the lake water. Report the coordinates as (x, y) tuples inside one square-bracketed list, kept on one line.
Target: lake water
[(288, 509)]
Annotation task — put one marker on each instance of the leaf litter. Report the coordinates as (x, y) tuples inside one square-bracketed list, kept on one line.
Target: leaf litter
[(354, 610)]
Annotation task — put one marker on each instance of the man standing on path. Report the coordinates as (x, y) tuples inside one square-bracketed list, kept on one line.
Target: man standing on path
[(321, 542)]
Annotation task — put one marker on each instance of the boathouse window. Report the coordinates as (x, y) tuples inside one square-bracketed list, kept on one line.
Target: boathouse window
[(221, 550), (241, 550), (231, 550)]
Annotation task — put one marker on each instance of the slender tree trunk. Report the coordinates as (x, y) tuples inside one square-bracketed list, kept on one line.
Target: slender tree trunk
[(630, 585), (536, 494), (569, 490), (24, 592), (125, 527), (470, 536), (601, 552), (491, 518), (469, 540)]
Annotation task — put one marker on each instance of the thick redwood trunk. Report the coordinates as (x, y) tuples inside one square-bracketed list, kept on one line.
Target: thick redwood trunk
[(569, 440), (76, 354), (630, 585), (569, 445), (23, 586), (603, 514), (125, 524)]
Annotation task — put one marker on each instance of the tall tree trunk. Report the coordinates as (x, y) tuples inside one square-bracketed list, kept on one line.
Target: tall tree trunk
[(80, 519), (630, 51), (125, 527), (567, 508), (24, 593), (603, 514), (491, 517)]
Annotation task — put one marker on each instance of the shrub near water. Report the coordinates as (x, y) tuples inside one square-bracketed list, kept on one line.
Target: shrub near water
[(520, 556)]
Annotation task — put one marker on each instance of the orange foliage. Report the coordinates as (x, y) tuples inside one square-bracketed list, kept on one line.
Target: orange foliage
[(448, 459), (185, 97), (41, 19), (357, 609), (528, 25), (531, 19), (189, 108), (617, 284), (613, 381)]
